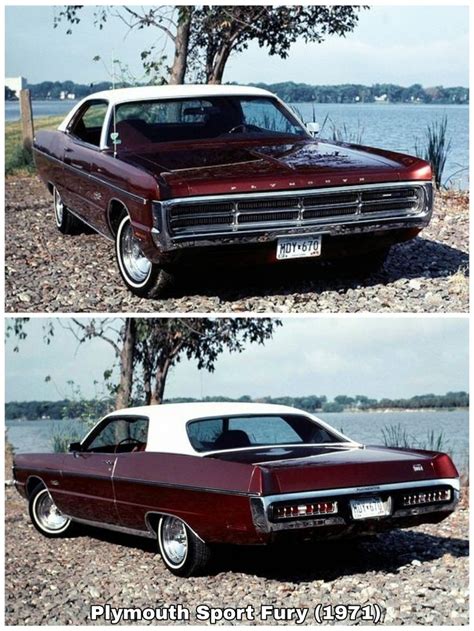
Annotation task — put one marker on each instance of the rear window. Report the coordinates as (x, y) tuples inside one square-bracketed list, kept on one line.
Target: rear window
[(237, 432)]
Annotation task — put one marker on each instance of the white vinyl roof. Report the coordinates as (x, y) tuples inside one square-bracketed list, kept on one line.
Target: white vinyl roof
[(167, 427), (124, 95)]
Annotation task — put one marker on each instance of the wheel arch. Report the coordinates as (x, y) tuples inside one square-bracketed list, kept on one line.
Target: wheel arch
[(114, 211), (32, 483), (152, 519)]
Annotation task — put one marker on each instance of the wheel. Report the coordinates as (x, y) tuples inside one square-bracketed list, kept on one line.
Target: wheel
[(45, 515), (66, 222), (183, 553), (142, 277)]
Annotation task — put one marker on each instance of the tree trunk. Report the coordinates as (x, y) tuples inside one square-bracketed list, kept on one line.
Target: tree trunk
[(147, 385), (180, 59), (219, 61), (124, 391), (160, 381)]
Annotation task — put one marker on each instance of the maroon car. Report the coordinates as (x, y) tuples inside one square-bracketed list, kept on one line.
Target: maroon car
[(180, 175), (193, 475)]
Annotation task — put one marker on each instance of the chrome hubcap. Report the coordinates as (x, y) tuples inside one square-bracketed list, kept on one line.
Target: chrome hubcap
[(136, 265), (58, 207), (48, 514), (174, 539)]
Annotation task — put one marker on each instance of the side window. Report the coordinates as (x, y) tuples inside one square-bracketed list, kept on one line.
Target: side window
[(88, 126), (119, 435), (204, 434)]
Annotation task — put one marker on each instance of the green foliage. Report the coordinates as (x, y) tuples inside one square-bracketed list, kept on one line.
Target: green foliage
[(19, 158), (332, 406), (356, 93), (93, 409), (204, 36), (61, 437), (435, 148), (398, 436), (10, 95), (344, 133), (395, 436), (15, 158)]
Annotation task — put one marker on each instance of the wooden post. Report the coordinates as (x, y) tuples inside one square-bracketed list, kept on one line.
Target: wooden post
[(27, 129)]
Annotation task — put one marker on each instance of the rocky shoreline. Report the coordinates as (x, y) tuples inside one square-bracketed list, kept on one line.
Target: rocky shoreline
[(46, 271), (415, 576)]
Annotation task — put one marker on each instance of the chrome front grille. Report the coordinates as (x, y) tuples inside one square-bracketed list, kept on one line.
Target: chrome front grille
[(232, 214)]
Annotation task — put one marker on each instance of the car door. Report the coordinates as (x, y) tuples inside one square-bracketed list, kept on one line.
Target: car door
[(132, 476), (87, 487), (81, 150)]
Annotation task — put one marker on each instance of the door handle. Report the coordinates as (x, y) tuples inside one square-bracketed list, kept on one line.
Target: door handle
[(73, 163), (110, 462)]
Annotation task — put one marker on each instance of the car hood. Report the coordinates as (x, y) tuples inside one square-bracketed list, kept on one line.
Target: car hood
[(232, 167), (292, 469)]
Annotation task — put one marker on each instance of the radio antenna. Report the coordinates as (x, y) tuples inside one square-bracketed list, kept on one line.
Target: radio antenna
[(114, 121)]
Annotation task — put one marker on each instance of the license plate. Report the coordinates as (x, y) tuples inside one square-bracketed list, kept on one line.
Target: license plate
[(298, 247), (368, 507)]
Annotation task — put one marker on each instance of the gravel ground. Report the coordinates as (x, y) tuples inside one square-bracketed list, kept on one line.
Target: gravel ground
[(415, 576), (46, 271)]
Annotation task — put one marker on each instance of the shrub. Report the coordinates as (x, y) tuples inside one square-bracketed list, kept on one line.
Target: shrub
[(19, 158)]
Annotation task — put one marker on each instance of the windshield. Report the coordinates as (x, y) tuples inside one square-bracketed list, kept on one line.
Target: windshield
[(145, 122), (235, 432)]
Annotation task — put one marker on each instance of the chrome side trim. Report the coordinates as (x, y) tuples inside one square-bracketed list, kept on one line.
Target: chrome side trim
[(94, 228), (115, 527)]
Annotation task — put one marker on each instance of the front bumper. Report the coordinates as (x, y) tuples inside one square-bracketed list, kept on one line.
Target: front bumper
[(341, 523), (337, 219)]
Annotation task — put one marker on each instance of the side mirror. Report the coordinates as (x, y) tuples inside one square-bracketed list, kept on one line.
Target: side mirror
[(74, 447), (313, 129)]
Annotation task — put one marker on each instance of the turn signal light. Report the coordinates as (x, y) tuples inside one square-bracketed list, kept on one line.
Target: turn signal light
[(292, 511), (415, 499)]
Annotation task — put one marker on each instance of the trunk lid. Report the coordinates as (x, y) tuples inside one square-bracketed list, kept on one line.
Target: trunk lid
[(295, 469)]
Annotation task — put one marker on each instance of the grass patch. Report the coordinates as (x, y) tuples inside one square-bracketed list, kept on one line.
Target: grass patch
[(16, 158)]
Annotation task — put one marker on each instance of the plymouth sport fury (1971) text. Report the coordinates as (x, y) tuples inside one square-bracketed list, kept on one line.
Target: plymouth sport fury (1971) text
[(180, 175), (194, 475)]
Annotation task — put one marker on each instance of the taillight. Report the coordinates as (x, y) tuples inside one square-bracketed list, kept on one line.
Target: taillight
[(293, 511), (426, 497)]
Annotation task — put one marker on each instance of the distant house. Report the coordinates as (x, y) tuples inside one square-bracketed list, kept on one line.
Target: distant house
[(383, 98), (63, 95), (15, 84)]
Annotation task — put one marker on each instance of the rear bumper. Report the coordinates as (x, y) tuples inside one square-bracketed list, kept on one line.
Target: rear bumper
[(166, 243), (341, 522)]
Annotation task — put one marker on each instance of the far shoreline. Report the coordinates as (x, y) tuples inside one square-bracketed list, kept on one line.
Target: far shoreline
[(316, 412)]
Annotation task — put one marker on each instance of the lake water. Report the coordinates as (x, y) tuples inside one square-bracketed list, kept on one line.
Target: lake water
[(40, 108), (393, 126), (29, 436)]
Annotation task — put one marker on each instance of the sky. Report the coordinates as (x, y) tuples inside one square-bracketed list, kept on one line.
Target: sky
[(391, 44), (391, 357)]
